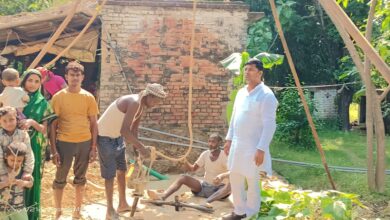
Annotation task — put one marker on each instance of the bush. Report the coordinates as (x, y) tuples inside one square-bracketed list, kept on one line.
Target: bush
[(293, 126)]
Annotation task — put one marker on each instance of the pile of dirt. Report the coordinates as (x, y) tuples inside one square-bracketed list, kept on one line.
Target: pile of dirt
[(91, 196), (95, 202)]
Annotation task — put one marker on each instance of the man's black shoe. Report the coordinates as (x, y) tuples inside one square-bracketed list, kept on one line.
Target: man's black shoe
[(233, 216)]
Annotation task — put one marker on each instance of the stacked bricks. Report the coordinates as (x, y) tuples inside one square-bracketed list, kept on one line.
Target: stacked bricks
[(152, 42)]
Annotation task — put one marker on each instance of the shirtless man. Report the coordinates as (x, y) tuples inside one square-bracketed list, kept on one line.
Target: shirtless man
[(119, 125)]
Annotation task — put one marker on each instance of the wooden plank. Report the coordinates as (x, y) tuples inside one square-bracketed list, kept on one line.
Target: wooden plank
[(55, 36), (98, 9), (22, 35), (29, 22)]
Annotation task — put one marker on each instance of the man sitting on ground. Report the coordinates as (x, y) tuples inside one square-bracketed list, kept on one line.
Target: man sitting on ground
[(214, 186)]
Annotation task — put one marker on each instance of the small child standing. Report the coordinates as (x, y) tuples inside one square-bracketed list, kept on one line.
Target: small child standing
[(13, 95), (10, 133), (12, 184)]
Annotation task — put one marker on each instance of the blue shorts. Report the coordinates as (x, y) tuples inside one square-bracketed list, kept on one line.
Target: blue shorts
[(207, 189), (111, 156)]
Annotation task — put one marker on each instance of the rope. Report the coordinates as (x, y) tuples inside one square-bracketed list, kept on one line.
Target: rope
[(109, 44), (141, 107), (142, 176), (6, 42)]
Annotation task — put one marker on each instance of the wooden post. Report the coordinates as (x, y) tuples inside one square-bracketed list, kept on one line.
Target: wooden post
[(370, 94), (300, 91), (384, 94), (373, 108)]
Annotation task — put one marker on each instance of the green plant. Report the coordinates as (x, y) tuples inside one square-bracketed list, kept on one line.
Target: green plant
[(284, 203), (238, 83), (260, 36), (293, 126), (9, 7)]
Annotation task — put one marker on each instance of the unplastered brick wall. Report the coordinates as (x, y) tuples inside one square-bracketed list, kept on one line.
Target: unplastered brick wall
[(325, 103), (152, 42)]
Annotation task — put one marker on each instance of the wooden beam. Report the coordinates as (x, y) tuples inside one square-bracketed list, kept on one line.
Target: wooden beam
[(98, 9), (21, 35), (32, 21), (300, 91), (384, 94), (46, 39), (370, 96), (55, 36), (374, 115), (361, 41)]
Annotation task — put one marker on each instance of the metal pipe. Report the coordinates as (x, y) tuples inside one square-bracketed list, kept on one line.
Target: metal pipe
[(172, 135), (170, 142)]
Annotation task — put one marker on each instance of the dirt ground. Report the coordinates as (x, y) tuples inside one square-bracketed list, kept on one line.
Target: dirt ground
[(95, 207), (94, 203)]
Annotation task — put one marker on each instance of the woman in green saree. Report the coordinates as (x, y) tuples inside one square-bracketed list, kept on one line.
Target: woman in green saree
[(38, 113)]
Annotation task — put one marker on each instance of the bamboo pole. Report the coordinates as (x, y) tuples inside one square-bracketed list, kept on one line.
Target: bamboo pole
[(385, 92), (300, 91), (375, 108), (55, 36), (370, 94), (91, 20)]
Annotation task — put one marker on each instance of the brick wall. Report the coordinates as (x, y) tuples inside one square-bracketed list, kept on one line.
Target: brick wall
[(153, 44)]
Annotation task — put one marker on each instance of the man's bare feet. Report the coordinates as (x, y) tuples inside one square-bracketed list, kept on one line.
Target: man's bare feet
[(112, 215), (76, 215), (154, 195), (124, 208), (207, 205), (58, 215)]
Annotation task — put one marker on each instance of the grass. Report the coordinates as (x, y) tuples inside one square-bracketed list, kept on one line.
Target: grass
[(341, 149)]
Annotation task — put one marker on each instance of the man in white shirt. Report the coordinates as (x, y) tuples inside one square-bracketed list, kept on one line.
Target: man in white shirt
[(250, 133), (215, 184)]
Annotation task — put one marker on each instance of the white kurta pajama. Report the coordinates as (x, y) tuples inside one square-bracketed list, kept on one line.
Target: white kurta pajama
[(252, 127)]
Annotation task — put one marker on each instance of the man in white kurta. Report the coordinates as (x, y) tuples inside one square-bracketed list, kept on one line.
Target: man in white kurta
[(250, 132)]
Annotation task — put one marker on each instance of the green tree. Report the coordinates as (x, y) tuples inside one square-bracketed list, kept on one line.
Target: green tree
[(10, 7)]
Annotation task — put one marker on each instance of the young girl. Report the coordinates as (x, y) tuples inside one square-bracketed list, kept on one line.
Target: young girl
[(10, 133), (12, 184)]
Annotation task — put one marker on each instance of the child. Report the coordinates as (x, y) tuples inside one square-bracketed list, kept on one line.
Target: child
[(12, 184), (51, 83), (10, 133), (213, 187), (13, 95)]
